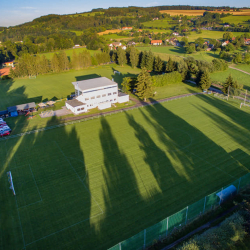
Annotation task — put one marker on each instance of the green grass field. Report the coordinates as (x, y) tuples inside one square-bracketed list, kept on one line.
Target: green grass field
[(244, 67), (93, 184), (236, 19), (45, 87), (69, 52), (114, 36), (242, 78), (164, 23)]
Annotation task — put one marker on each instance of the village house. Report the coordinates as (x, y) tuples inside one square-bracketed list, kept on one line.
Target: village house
[(131, 43), (114, 45), (247, 41), (155, 18), (98, 92), (156, 42), (176, 34), (127, 28), (8, 64), (225, 43)]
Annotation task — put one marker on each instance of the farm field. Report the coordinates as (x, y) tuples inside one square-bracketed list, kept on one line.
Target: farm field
[(46, 87), (157, 23), (200, 12), (236, 19), (69, 52), (93, 184), (115, 36), (241, 78), (106, 32)]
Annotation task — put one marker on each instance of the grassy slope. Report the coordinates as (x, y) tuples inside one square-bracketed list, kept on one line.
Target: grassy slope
[(139, 167), (244, 67), (157, 23), (69, 52), (237, 75)]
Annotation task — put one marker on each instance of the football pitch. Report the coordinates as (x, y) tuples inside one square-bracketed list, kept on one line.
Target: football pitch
[(92, 184)]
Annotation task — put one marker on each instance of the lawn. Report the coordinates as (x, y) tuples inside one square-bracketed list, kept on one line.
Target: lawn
[(114, 36), (242, 78), (244, 67), (93, 184)]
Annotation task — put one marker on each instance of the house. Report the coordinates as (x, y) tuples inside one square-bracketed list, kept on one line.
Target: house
[(123, 47), (176, 34), (4, 72), (155, 18), (247, 41), (156, 42), (127, 28), (8, 64), (131, 43), (173, 41), (98, 92), (226, 25), (114, 45), (225, 43)]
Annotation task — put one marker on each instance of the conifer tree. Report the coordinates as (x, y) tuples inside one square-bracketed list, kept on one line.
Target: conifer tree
[(134, 57), (150, 61), (144, 59), (63, 61), (171, 65), (144, 86), (121, 54), (205, 81), (158, 64), (75, 60), (230, 82), (55, 63)]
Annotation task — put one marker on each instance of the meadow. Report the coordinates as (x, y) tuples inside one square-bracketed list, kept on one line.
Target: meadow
[(69, 52), (244, 67), (106, 32), (241, 77), (236, 19), (93, 184), (157, 23)]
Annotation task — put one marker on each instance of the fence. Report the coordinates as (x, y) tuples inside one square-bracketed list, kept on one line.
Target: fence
[(165, 227)]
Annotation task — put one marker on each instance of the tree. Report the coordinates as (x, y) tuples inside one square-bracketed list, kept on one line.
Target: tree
[(122, 59), (230, 82), (228, 36), (75, 60), (150, 61), (204, 80), (63, 61), (237, 58), (171, 65), (230, 47), (144, 87), (144, 59), (55, 63), (190, 49), (247, 58), (158, 64), (134, 57)]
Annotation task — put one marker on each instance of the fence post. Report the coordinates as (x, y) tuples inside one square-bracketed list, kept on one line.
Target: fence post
[(204, 204), (239, 186), (145, 231), (167, 227), (186, 215), (221, 195)]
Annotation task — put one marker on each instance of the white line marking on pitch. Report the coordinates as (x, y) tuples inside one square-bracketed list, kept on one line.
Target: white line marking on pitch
[(78, 176)]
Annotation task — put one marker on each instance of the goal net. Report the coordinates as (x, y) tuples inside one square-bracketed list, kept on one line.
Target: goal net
[(239, 95), (32, 77), (11, 182)]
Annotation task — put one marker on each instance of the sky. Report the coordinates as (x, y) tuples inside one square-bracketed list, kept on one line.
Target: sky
[(14, 12)]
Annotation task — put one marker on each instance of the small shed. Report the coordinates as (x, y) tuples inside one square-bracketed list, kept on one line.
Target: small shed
[(21, 108), (41, 105)]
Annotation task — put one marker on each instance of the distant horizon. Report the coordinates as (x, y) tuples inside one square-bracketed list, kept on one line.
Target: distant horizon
[(15, 13)]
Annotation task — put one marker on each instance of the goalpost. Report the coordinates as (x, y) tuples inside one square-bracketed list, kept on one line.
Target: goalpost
[(32, 77), (11, 182)]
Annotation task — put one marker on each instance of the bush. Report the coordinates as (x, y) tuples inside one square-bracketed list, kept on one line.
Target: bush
[(168, 78), (226, 235)]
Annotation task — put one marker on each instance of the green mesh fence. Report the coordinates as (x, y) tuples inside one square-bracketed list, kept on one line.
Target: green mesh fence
[(167, 226)]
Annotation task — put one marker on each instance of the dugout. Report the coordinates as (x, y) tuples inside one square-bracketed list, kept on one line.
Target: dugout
[(227, 193), (4, 113)]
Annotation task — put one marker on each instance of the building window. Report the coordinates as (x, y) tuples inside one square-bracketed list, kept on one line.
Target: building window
[(109, 94), (78, 109), (82, 108), (98, 96), (114, 93), (87, 105), (92, 97), (103, 95), (114, 99), (86, 99)]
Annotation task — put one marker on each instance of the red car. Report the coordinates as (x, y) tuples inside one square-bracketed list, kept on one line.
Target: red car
[(5, 133)]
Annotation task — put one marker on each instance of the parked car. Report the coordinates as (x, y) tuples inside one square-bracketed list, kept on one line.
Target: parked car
[(1, 120), (4, 133), (2, 128)]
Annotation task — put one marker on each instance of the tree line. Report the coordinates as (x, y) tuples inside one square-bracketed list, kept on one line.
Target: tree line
[(30, 65)]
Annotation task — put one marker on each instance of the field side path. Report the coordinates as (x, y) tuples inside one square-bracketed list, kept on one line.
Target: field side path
[(201, 228), (231, 67), (72, 120)]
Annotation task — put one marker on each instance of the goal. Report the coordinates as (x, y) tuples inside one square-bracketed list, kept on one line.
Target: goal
[(11, 182), (32, 77)]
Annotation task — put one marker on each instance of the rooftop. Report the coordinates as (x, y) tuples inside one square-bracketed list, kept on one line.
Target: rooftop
[(21, 107), (75, 103), (99, 82)]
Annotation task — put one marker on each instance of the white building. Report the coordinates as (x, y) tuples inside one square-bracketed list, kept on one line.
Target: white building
[(98, 92)]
